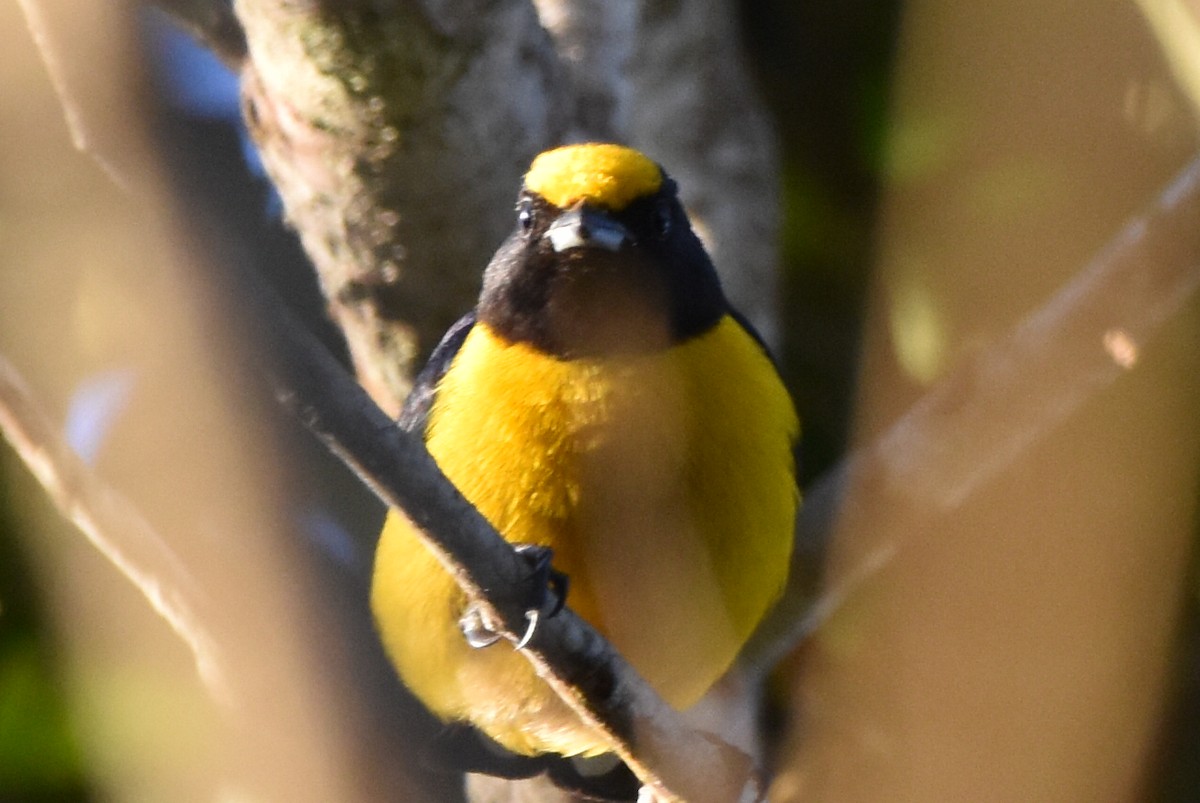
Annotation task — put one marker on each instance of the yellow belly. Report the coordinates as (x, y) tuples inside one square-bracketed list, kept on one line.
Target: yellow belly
[(663, 482)]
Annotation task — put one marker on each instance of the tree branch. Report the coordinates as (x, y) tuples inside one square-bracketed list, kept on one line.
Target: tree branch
[(677, 762), (965, 430), (397, 138), (968, 428), (694, 105), (113, 526), (345, 237), (671, 78), (984, 414)]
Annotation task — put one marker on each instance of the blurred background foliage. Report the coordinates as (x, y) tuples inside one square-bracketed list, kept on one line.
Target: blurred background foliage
[(826, 72), (40, 758)]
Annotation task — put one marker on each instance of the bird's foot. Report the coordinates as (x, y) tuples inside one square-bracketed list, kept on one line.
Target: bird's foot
[(546, 594)]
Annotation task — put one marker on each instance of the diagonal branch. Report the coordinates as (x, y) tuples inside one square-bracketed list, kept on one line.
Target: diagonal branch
[(46, 28), (114, 526), (677, 762), (983, 415)]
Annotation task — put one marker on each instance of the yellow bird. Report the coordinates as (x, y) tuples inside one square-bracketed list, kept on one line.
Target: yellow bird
[(604, 400)]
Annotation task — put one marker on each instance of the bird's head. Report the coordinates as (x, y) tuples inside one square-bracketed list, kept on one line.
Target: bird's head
[(603, 259)]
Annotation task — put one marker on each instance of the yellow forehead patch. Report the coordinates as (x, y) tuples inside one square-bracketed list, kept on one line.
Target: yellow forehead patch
[(607, 175)]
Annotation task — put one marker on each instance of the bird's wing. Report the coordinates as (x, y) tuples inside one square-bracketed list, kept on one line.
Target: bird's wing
[(415, 413)]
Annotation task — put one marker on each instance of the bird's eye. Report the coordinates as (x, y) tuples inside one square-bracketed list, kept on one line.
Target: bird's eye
[(525, 215), (662, 219)]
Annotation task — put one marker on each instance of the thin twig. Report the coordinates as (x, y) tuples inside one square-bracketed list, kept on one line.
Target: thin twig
[(112, 525)]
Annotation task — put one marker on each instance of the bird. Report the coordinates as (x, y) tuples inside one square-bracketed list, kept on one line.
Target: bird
[(603, 404)]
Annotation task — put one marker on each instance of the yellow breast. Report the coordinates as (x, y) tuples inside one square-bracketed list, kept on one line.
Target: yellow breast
[(663, 482)]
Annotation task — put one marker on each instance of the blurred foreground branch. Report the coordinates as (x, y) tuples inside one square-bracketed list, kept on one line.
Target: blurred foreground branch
[(113, 526), (985, 413)]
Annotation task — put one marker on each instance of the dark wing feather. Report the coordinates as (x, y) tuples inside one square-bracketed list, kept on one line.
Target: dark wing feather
[(415, 413)]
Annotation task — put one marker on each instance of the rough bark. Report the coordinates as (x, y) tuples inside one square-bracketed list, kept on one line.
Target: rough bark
[(397, 136)]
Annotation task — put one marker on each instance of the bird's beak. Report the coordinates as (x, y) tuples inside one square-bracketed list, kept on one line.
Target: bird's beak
[(582, 226)]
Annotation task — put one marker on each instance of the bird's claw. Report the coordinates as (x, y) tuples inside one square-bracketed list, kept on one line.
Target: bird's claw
[(475, 628), (547, 595), (547, 586)]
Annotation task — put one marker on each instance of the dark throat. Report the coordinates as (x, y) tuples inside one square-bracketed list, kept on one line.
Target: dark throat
[(592, 303)]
